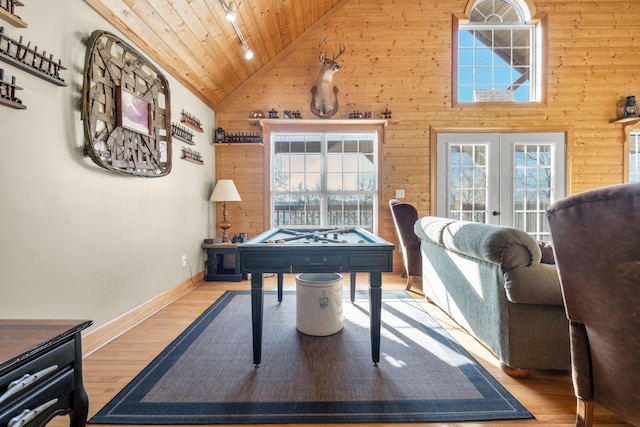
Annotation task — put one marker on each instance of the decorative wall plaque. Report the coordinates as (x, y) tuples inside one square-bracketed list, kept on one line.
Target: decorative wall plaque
[(126, 109)]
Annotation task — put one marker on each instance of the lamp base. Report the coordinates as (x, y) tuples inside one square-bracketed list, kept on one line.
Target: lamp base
[(225, 226)]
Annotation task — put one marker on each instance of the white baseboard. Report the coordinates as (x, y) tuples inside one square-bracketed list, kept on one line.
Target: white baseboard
[(101, 336)]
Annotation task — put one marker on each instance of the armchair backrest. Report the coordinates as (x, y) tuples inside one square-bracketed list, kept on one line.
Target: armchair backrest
[(405, 216), (596, 240)]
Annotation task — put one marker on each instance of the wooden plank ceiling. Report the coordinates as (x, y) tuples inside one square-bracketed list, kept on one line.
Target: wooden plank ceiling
[(194, 42)]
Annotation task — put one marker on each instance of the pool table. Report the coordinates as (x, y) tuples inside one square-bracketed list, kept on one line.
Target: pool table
[(280, 250)]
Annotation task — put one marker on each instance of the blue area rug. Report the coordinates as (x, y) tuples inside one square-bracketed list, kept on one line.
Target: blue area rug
[(206, 376)]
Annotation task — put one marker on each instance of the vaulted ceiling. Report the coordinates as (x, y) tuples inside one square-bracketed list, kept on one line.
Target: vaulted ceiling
[(193, 41)]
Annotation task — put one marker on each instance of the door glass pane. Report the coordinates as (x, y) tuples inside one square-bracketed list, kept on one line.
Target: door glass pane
[(634, 156), (532, 188), (508, 179), (468, 182)]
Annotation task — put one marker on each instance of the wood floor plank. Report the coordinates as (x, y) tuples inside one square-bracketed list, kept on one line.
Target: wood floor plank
[(548, 395)]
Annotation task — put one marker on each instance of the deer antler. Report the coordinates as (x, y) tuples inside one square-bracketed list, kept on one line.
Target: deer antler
[(325, 39), (343, 48)]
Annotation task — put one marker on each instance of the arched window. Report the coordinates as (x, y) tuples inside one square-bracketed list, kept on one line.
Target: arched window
[(498, 53)]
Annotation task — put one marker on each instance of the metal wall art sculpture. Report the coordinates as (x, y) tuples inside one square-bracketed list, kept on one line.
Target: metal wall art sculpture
[(126, 109)]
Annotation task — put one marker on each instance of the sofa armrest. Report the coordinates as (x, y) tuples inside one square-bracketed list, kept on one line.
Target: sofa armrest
[(508, 247), (430, 228), (536, 284)]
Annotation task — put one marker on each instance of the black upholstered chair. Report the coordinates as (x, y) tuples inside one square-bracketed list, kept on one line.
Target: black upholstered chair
[(596, 240), (404, 218)]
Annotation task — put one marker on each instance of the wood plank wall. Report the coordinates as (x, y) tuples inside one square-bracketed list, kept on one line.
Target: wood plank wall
[(399, 57)]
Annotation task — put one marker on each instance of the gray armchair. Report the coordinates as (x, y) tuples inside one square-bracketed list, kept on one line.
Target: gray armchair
[(404, 217), (596, 240)]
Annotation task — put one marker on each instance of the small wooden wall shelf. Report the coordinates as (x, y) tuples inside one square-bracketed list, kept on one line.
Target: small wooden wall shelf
[(188, 120), (12, 104), (627, 120), (197, 162), (8, 93), (222, 144), (306, 122), (8, 15), (28, 59), (243, 138), (182, 134), (192, 156)]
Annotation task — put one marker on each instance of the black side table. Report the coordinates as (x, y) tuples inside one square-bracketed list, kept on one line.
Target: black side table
[(41, 371), (223, 263)]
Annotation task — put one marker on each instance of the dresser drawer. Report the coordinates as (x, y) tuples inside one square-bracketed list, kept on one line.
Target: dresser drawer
[(51, 397), (380, 261), (311, 262), (30, 373), (269, 263)]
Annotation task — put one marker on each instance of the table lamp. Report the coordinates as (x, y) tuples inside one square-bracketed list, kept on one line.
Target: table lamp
[(225, 191)]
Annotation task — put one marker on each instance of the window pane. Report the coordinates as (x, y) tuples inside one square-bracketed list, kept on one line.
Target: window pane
[(484, 56), (484, 77), (334, 163), (296, 210), (328, 172), (350, 211), (465, 38)]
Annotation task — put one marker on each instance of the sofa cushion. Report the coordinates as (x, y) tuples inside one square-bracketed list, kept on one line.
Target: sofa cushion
[(537, 284)]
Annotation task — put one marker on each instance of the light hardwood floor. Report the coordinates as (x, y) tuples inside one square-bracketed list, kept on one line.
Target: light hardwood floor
[(547, 395)]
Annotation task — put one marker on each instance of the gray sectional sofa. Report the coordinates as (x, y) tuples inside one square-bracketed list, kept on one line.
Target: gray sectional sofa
[(491, 281)]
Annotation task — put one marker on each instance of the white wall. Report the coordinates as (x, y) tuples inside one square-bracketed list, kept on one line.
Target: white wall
[(78, 241)]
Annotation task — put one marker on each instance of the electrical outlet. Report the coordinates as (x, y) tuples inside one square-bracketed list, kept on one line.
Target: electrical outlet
[(399, 194), (184, 260)]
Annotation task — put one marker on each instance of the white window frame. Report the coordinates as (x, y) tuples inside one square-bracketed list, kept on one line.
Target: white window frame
[(325, 192), (493, 92), (633, 156)]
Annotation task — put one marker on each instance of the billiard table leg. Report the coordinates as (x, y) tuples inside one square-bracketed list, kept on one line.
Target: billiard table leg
[(280, 285), (257, 306), (375, 308), (353, 286)]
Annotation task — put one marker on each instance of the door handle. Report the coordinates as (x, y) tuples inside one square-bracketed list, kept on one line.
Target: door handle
[(495, 213)]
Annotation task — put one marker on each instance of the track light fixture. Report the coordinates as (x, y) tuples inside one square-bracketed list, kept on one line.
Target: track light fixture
[(248, 53), (231, 14)]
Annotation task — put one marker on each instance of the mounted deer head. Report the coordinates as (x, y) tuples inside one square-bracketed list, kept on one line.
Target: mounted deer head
[(324, 101)]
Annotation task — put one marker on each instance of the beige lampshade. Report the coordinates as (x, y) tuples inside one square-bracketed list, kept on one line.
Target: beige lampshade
[(225, 191)]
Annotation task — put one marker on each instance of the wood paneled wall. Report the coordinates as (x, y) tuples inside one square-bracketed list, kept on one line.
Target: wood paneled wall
[(399, 57)]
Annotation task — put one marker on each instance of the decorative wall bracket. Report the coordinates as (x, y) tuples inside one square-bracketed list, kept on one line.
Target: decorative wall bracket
[(192, 155), (182, 133), (8, 13), (23, 56), (8, 93), (118, 82), (191, 121)]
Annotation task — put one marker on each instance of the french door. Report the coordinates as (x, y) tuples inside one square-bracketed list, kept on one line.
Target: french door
[(500, 178)]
